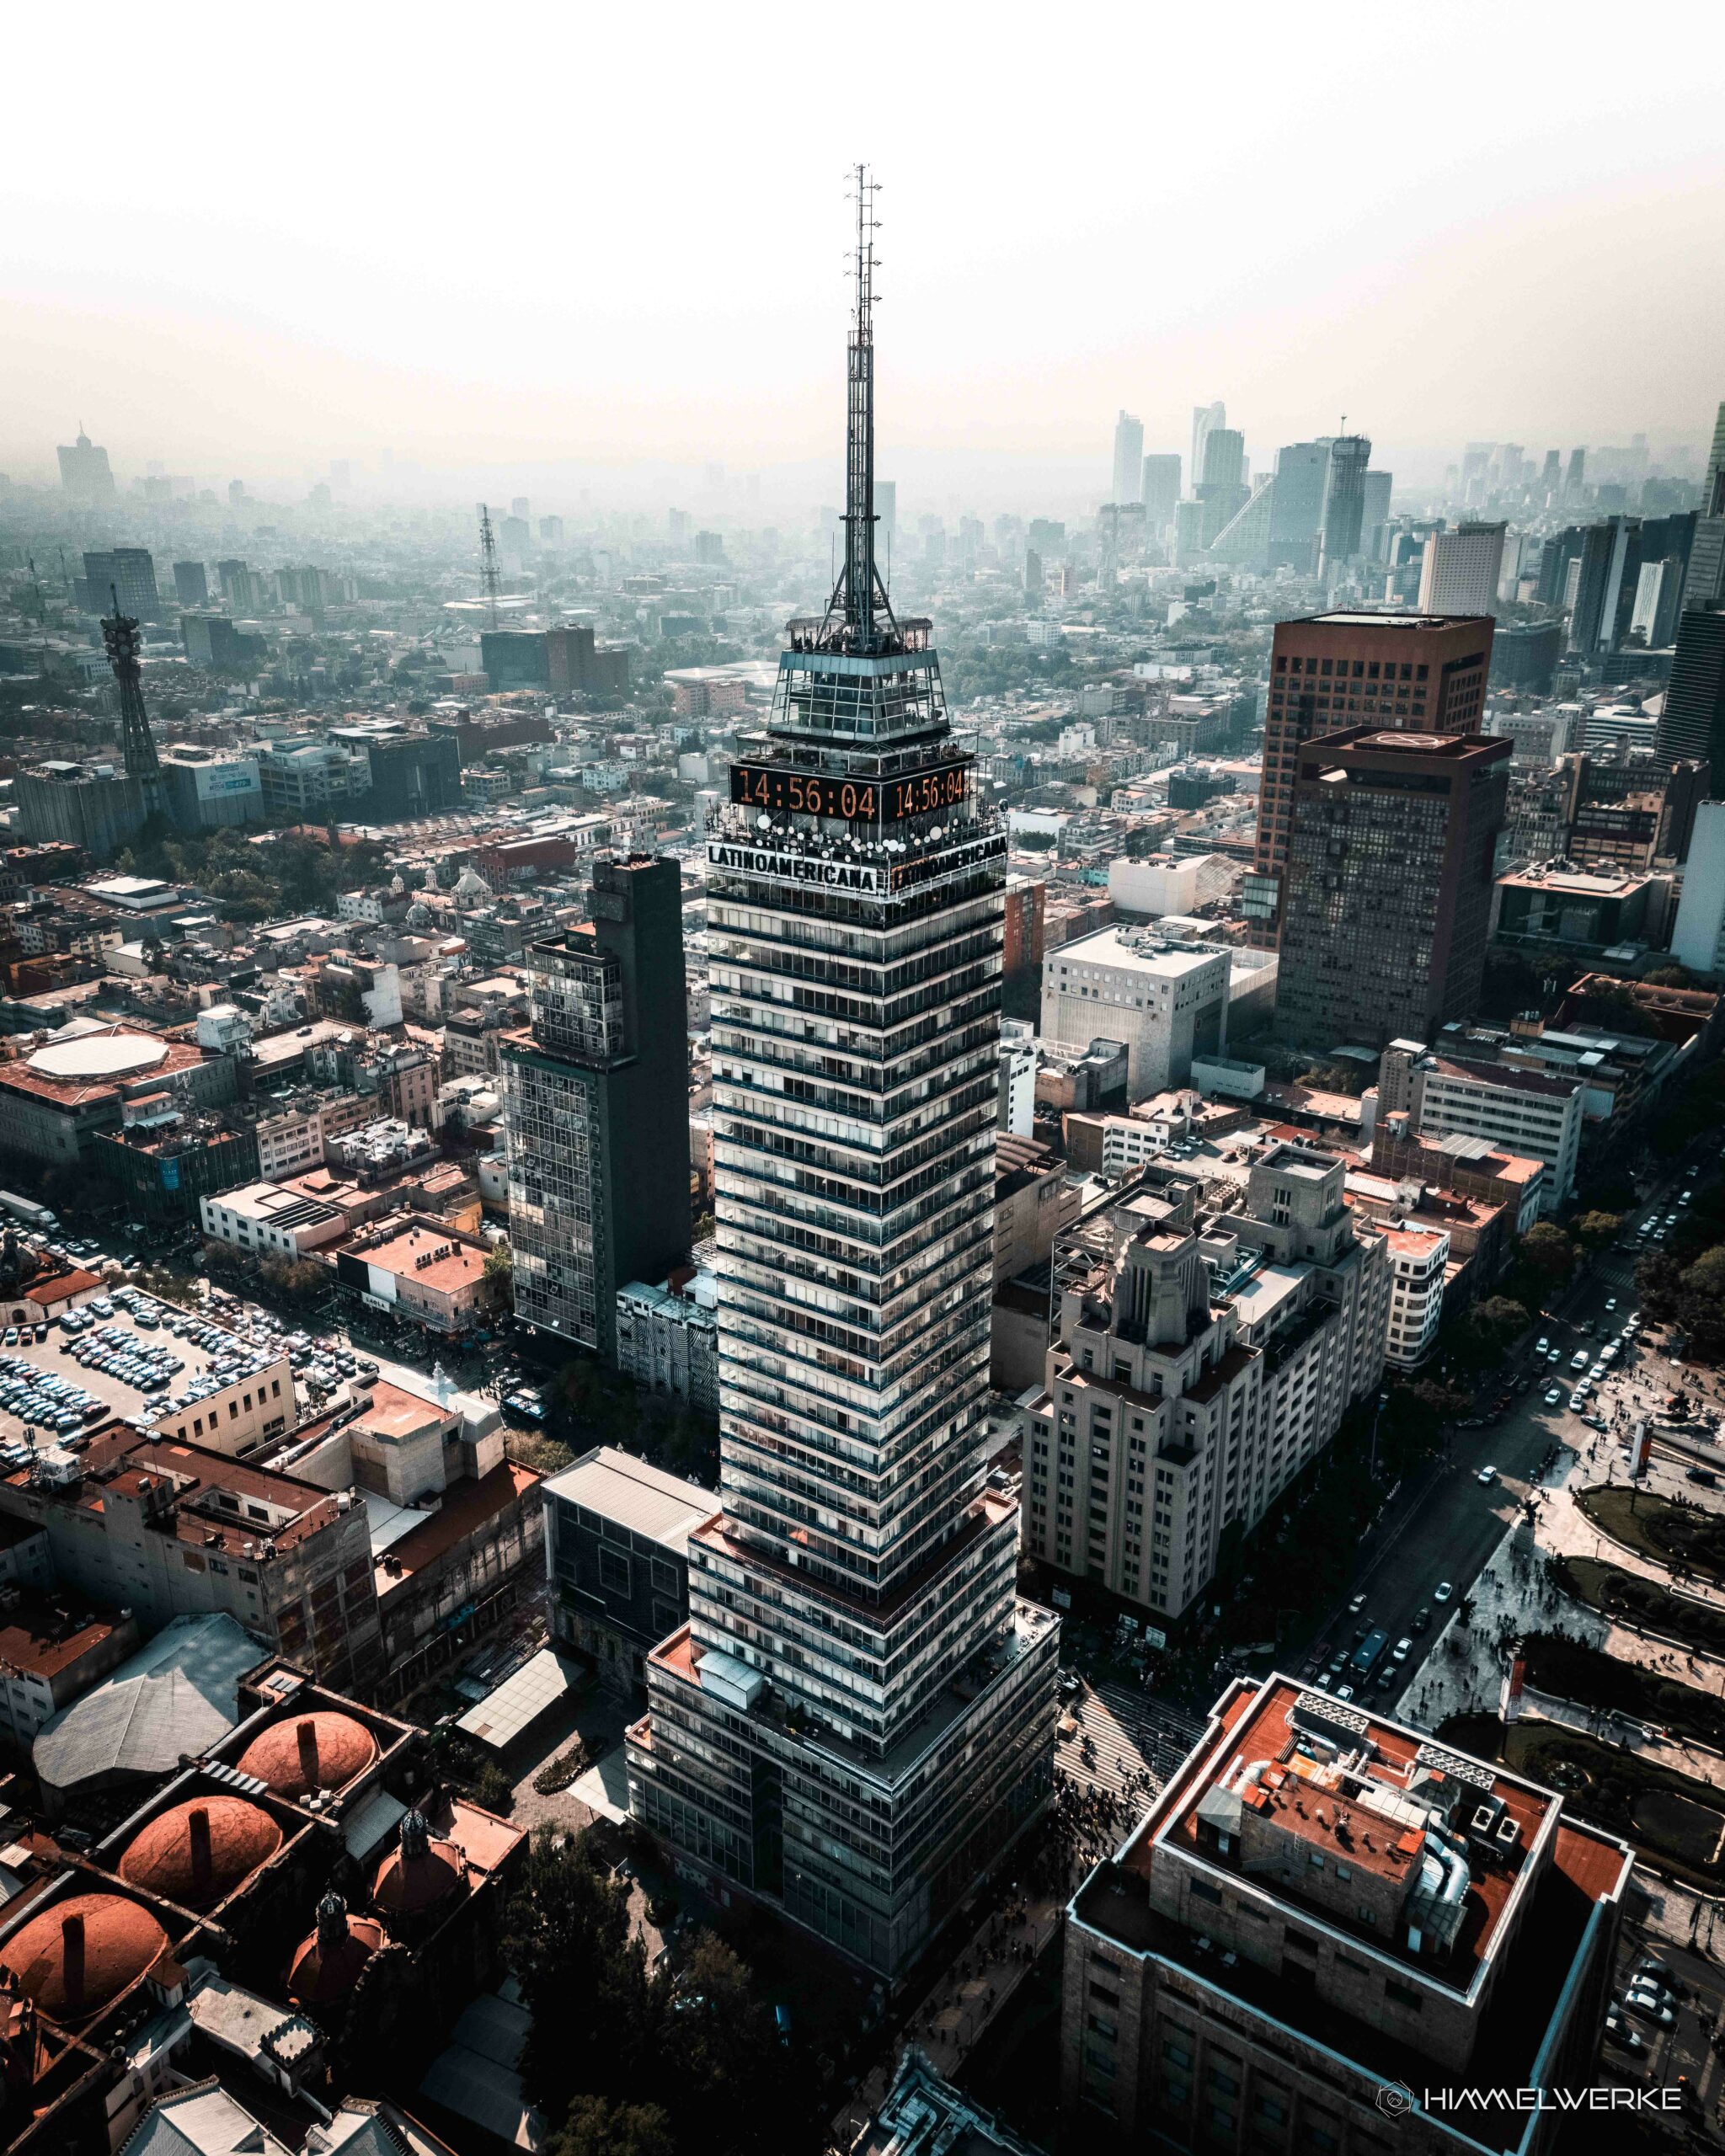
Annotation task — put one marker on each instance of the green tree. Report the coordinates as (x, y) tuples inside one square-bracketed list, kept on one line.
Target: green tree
[(596, 2127), (1598, 1231), (499, 1279), (1549, 1251)]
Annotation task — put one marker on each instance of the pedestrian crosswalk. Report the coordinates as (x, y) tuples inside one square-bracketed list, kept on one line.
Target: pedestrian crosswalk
[(1136, 1741)]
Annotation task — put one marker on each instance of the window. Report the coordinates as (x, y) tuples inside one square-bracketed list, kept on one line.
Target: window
[(615, 1573), (1403, 1995), (1176, 2054), (1202, 1891)]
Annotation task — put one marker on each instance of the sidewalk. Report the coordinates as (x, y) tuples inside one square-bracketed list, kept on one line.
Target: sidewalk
[(1565, 1530)]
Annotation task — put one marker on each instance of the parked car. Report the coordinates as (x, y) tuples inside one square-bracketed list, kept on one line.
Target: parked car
[(1622, 2030), (1649, 2004)]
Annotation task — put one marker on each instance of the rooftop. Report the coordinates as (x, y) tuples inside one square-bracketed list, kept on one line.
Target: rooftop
[(1136, 950), (618, 1487), (177, 1695), (409, 1252)]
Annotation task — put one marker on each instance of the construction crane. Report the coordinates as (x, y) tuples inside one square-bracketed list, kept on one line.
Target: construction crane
[(488, 558)]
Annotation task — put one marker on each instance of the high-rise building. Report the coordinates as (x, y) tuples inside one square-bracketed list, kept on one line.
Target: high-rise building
[(129, 571), (1344, 501), (84, 473), (1129, 458), (1297, 507), (1224, 457), (1698, 940), (239, 586), (1460, 572), (191, 584), (598, 1108), (1200, 1363), (1575, 482), (1204, 418), (1332, 1932), (1421, 672), (1162, 490), (858, 1717), (1387, 906), (1375, 513), (1692, 722), (1552, 478)]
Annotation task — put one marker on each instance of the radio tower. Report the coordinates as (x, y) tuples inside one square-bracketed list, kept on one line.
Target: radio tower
[(859, 594), (119, 633), (488, 559)]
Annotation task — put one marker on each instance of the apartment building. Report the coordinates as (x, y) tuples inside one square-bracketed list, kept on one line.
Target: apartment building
[(1535, 1113), (1320, 1905), (1419, 1259), (1200, 1365)]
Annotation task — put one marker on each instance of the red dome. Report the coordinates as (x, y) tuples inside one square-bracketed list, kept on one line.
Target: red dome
[(199, 1852), (306, 1753), (83, 1951), (326, 1965), (409, 1882)]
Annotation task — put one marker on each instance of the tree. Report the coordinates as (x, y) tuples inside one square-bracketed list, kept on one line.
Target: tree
[(582, 1978), (499, 1279), (1549, 1251), (1598, 1231), (594, 2127)]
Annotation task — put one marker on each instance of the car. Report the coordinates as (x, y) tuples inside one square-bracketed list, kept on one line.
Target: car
[(1554, 1398), (1579, 1360), (1650, 2005), (1704, 1475), (1556, 1355), (1444, 1591), (1337, 1663), (1659, 1974), (1594, 1422), (1658, 1235), (1486, 1475), (1422, 1618), (1324, 1679), (1622, 2030), (1387, 1676), (1403, 1648), (1356, 1605), (1542, 1346), (1345, 1691), (1687, 1196), (1610, 1302)]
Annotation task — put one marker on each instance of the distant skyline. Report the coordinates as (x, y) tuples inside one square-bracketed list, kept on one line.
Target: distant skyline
[(245, 252)]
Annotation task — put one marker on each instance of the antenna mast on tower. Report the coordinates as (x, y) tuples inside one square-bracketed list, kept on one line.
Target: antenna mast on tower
[(120, 634), (488, 557), (859, 595)]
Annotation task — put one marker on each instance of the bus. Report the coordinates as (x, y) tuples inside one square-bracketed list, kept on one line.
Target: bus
[(1370, 1652)]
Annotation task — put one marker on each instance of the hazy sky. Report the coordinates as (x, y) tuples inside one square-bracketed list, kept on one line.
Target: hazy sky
[(247, 242)]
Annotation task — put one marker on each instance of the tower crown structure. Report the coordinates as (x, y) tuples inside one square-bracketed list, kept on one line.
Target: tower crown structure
[(119, 634), (858, 1717)]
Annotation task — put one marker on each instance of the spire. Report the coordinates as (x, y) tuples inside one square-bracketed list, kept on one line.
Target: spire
[(120, 634), (859, 597)]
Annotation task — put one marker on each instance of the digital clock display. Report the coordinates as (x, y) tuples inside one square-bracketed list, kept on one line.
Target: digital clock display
[(783, 792)]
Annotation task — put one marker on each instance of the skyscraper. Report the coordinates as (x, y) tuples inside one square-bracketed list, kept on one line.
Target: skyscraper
[(1204, 418), (1297, 509), (858, 1716), (128, 571), (84, 472), (1162, 490), (1705, 583), (1460, 571), (1129, 458), (1375, 513), (1693, 721), (191, 584), (1344, 500), (598, 1108), (1421, 672), (1388, 899)]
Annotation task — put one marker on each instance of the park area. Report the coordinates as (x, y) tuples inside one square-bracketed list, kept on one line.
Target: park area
[(1642, 1604), (1682, 1536)]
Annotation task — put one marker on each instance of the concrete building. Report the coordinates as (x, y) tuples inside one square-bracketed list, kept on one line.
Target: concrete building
[(210, 789), (1461, 569), (1167, 1000), (1019, 1055), (1692, 721), (1387, 900), (419, 1269), (264, 1219), (1418, 673), (1033, 1201), (1418, 1259), (96, 808), (616, 1558), (1322, 1904), (52, 1651), (1535, 1113), (55, 1101), (667, 1336), (1162, 883), (1698, 940), (1200, 1365)]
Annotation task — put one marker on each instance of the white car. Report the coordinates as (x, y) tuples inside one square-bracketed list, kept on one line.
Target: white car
[(1442, 1591), (1610, 1302), (1542, 1346), (1402, 1649), (1554, 1398), (1486, 1475)]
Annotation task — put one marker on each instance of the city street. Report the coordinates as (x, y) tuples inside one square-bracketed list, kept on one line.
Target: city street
[(1452, 1535)]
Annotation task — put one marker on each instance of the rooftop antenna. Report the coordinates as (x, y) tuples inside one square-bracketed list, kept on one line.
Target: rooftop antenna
[(120, 634), (859, 594), (488, 559)]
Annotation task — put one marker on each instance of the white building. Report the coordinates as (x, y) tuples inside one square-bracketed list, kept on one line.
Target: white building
[(1461, 570), (1018, 1060), (1163, 883), (265, 1220), (1167, 1000), (1698, 942), (1536, 1114), (1418, 1260)]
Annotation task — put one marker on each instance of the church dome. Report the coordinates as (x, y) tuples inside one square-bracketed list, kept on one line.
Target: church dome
[(306, 1753), (326, 1964), (199, 1852), (82, 1952), (419, 1872)]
